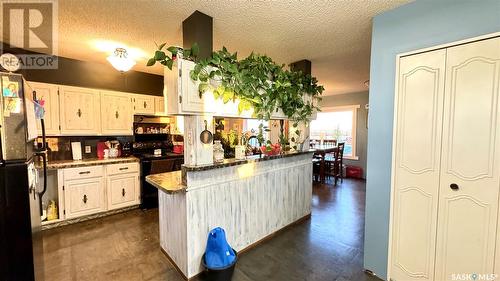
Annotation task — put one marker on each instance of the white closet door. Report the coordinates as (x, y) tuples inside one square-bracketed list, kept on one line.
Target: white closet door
[(470, 164), (417, 161)]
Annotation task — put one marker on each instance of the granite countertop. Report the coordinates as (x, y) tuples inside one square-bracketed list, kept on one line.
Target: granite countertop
[(170, 182), (235, 162), (62, 164)]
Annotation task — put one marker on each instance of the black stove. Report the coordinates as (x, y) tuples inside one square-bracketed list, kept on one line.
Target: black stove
[(152, 163)]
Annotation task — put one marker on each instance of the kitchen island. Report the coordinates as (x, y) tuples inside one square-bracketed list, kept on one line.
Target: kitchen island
[(251, 199)]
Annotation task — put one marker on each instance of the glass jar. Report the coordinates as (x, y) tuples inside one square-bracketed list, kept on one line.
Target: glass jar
[(218, 151)]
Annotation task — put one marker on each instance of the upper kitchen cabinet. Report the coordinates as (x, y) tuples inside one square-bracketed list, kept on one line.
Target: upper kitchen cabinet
[(116, 113), (48, 93), (79, 111), (183, 96), (143, 104), (182, 93), (160, 106)]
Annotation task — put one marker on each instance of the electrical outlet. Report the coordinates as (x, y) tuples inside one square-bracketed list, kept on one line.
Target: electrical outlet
[(88, 149)]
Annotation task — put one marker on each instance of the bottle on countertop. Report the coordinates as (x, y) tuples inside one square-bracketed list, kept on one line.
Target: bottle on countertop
[(218, 151)]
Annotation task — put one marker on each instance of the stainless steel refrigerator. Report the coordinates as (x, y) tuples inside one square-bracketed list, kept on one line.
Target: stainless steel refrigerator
[(21, 246)]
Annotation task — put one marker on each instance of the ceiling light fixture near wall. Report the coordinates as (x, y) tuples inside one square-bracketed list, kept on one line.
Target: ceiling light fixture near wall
[(120, 60)]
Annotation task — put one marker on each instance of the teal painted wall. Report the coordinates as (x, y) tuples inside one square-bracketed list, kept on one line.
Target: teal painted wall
[(417, 25)]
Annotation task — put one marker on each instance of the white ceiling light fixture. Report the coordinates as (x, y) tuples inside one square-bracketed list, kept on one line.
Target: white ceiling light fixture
[(120, 60)]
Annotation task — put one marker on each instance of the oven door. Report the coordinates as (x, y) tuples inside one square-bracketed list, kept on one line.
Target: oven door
[(149, 193)]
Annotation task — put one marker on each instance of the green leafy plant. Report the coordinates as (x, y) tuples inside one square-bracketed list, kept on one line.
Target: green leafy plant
[(260, 135), (258, 83), (297, 138), (168, 60)]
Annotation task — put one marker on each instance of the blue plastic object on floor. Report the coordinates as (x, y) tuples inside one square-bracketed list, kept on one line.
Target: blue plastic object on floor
[(218, 253)]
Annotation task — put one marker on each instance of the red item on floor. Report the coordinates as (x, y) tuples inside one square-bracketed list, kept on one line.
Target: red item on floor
[(354, 172)]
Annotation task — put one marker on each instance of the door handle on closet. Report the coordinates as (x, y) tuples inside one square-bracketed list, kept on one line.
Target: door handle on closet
[(454, 186)]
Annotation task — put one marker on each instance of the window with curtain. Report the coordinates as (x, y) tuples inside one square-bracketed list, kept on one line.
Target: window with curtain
[(336, 123)]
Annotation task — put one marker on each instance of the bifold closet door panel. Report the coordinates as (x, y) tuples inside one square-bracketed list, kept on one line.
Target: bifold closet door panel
[(417, 156), (470, 163)]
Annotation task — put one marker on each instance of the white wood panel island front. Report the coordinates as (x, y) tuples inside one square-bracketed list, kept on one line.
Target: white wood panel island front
[(251, 199)]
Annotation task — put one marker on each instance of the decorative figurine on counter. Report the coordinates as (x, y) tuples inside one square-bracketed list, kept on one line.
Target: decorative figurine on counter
[(218, 152)]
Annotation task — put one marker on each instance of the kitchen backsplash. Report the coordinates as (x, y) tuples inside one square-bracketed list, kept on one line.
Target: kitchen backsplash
[(60, 147)]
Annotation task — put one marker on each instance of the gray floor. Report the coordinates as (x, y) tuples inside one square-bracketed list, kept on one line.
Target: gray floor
[(329, 246)]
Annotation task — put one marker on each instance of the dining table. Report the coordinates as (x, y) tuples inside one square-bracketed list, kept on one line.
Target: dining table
[(320, 152)]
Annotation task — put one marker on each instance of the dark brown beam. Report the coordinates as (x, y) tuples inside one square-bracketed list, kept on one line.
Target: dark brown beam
[(301, 65), (198, 28)]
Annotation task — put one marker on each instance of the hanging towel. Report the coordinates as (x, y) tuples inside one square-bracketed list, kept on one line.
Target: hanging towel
[(218, 253)]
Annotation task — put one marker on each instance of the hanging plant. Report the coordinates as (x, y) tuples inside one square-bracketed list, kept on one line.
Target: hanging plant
[(259, 83), (168, 60), (256, 81)]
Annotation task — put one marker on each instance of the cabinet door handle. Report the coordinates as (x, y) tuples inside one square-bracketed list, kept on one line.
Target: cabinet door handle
[(84, 199), (454, 186), (79, 113), (145, 105), (124, 168), (123, 192), (83, 173), (116, 114)]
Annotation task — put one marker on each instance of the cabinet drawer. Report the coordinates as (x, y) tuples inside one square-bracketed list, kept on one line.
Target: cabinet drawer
[(123, 190), (83, 173), (114, 169)]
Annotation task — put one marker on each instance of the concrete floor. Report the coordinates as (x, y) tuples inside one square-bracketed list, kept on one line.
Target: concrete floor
[(329, 246)]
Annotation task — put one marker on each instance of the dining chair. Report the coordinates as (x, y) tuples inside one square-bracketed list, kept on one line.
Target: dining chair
[(340, 149), (334, 164)]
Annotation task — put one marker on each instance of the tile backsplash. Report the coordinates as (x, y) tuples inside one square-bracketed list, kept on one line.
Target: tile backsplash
[(60, 147)]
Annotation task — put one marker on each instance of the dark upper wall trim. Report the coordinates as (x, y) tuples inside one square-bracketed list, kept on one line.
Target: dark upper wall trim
[(73, 72)]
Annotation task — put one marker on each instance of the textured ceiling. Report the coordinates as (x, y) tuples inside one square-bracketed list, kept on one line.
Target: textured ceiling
[(334, 35)]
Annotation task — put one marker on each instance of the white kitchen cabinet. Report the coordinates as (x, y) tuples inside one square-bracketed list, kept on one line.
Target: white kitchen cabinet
[(444, 211), (160, 106), (122, 185), (182, 93), (84, 197), (80, 112), (183, 96), (95, 189), (143, 104), (48, 93), (116, 113), (123, 190)]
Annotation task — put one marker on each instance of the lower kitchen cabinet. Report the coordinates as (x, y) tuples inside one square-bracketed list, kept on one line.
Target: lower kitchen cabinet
[(96, 189), (84, 197), (123, 190), (122, 185)]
